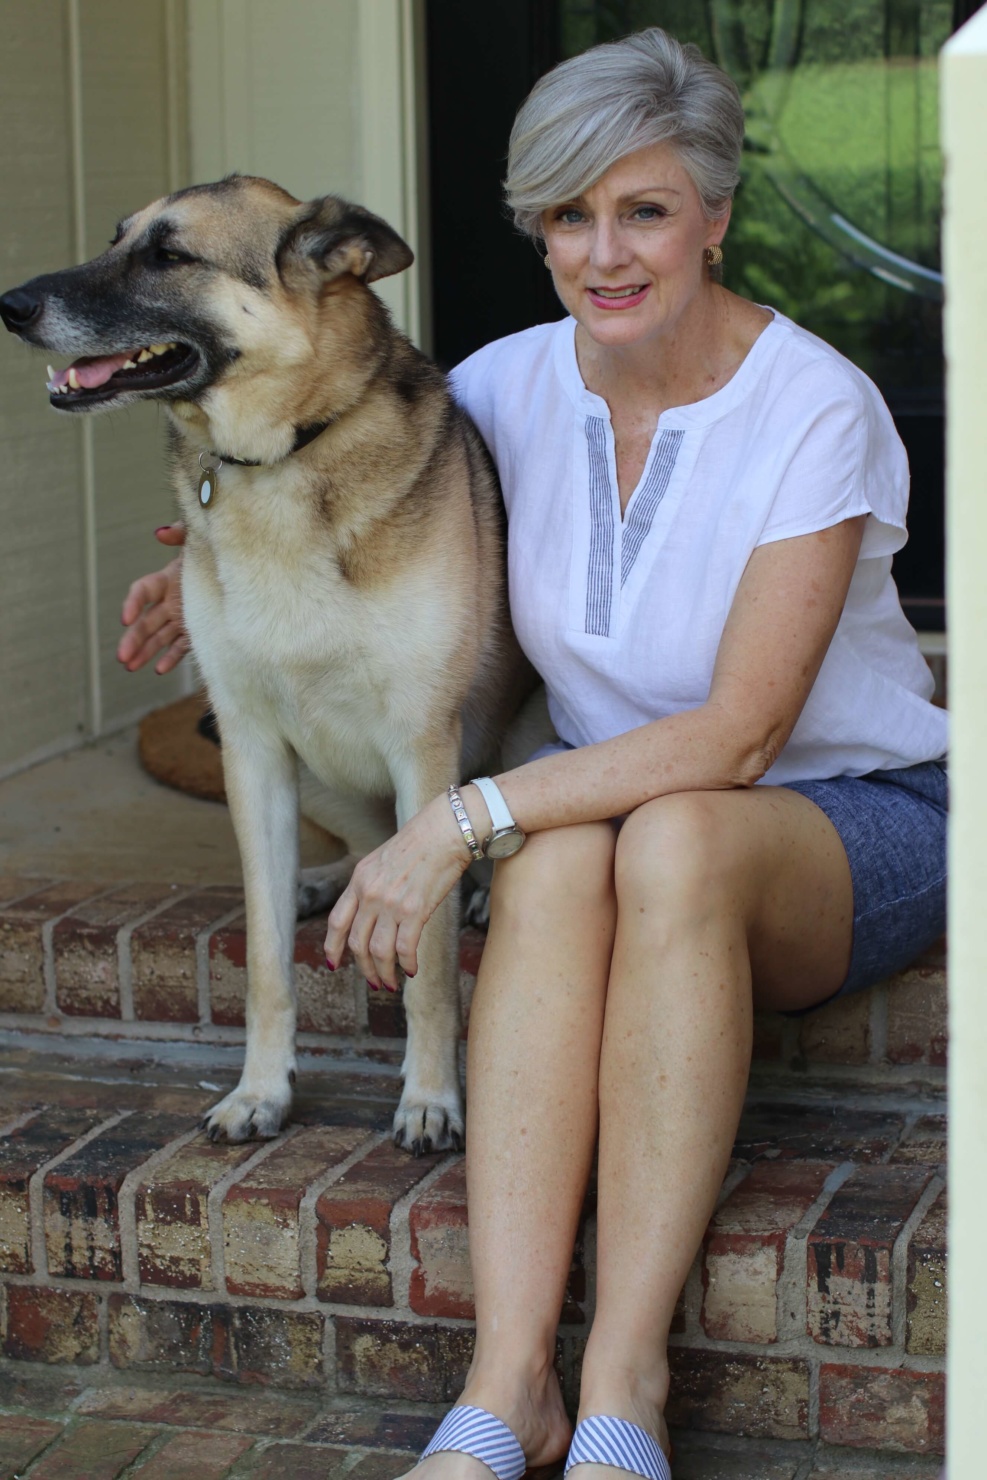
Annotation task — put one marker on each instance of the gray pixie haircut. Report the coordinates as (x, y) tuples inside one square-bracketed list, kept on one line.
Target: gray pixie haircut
[(594, 109)]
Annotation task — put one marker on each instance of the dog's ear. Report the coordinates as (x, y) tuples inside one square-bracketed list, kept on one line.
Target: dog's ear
[(335, 237)]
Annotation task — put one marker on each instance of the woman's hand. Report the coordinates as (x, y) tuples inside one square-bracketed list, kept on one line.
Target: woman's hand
[(152, 613), (394, 891)]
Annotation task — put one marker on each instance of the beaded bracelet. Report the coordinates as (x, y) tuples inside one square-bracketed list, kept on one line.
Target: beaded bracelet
[(465, 826)]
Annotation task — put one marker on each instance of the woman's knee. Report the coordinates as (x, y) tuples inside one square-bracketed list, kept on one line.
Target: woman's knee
[(681, 851), (561, 864)]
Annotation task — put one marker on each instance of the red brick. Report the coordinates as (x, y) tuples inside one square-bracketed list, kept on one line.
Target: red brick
[(395, 1359), (277, 1416), (51, 1326), (353, 1228), (925, 1144), (762, 1397), (297, 1461), (372, 1428), (380, 1467), (206, 1456), (816, 1132), (745, 1248), (839, 1033), (918, 1028), (880, 1408), (22, 1153), (849, 1255), (22, 982), (279, 1348), (16, 886), (98, 1451), (160, 1335), (172, 1212), (927, 1283), (82, 1217), (441, 1278), (163, 959), (261, 1214), (228, 974), (87, 972), (385, 1014), (326, 999), (21, 1438)]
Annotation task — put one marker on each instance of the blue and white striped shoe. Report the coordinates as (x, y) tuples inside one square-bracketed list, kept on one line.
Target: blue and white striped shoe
[(614, 1441), (476, 1432)]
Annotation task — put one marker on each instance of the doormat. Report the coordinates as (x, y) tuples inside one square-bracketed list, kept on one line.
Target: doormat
[(174, 750)]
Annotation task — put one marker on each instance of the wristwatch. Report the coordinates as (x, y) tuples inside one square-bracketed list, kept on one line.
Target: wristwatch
[(507, 837)]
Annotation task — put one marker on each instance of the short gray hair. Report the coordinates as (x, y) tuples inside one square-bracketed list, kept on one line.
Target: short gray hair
[(598, 107)]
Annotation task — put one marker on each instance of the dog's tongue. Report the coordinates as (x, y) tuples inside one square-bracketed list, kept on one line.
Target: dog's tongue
[(92, 373)]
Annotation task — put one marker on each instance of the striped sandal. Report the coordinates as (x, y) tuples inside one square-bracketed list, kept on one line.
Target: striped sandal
[(614, 1441), (476, 1432)]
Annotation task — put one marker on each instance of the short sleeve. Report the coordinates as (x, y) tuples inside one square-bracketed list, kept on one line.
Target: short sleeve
[(843, 458)]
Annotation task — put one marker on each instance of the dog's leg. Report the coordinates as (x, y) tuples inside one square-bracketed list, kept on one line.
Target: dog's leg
[(430, 1114), (261, 785)]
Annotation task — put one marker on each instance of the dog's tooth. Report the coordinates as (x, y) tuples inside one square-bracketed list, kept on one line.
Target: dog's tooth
[(51, 373), (74, 379), (145, 354), (129, 365), (160, 349)]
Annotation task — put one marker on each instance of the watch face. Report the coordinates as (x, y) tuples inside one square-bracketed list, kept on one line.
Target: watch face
[(503, 845)]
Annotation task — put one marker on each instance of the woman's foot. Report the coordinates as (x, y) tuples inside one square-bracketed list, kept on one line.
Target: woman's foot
[(626, 1396), (533, 1412)]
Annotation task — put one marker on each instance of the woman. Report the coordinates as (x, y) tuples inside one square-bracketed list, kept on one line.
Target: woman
[(703, 504)]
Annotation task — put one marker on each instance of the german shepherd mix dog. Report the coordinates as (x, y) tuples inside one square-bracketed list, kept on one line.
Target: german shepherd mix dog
[(344, 567)]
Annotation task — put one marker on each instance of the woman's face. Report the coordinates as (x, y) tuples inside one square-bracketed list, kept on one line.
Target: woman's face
[(627, 256)]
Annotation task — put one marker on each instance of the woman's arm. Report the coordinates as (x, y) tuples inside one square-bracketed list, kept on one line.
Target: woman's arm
[(781, 622)]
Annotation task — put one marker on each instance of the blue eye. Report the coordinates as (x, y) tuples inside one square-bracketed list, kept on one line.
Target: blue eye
[(649, 213), (569, 214)]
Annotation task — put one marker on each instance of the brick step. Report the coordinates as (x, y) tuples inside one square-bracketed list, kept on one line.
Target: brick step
[(169, 962), (173, 1429), (328, 1263)]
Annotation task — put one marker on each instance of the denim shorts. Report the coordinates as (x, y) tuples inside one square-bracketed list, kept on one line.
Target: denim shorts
[(893, 827)]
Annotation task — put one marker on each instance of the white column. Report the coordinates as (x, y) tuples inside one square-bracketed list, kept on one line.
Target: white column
[(964, 127)]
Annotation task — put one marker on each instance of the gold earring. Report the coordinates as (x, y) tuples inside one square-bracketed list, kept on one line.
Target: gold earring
[(713, 256)]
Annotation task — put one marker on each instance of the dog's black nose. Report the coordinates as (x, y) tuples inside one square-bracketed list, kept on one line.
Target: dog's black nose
[(19, 309)]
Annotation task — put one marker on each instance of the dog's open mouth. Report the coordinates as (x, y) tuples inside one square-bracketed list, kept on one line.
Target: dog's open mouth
[(101, 377)]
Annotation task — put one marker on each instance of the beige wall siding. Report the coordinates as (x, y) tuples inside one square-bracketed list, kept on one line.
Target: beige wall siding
[(92, 112)]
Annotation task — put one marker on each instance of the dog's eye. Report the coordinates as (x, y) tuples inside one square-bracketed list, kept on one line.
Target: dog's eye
[(168, 257)]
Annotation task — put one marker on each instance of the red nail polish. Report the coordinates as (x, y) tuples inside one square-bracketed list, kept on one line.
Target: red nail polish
[(374, 986), (389, 987), (330, 965), (411, 975)]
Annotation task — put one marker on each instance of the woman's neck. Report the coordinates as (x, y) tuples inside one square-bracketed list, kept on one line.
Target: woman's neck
[(691, 359)]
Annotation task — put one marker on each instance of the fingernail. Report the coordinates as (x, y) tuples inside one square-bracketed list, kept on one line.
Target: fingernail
[(374, 986), (161, 528), (411, 975), (330, 965)]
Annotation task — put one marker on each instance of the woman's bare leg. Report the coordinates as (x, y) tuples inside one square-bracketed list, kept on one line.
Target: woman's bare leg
[(706, 883), (533, 1065)]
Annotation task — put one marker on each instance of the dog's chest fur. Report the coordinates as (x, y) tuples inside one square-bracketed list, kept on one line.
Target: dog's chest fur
[(286, 639)]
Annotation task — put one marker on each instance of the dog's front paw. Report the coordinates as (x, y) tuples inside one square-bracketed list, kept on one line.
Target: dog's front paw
[(247, 1116), (434, 1124)]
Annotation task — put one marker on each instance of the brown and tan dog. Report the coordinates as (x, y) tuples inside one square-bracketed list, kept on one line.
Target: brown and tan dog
[(344, 574)]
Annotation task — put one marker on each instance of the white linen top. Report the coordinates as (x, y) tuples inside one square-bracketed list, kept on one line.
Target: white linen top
[(622, 616)]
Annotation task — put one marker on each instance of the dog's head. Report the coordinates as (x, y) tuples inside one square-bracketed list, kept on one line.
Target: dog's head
[(231, 292)]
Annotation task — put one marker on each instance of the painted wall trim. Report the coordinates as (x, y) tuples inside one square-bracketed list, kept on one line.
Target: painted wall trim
[(964, 123)]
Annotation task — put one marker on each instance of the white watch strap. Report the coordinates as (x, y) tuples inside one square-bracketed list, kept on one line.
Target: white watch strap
[(500, 813)]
